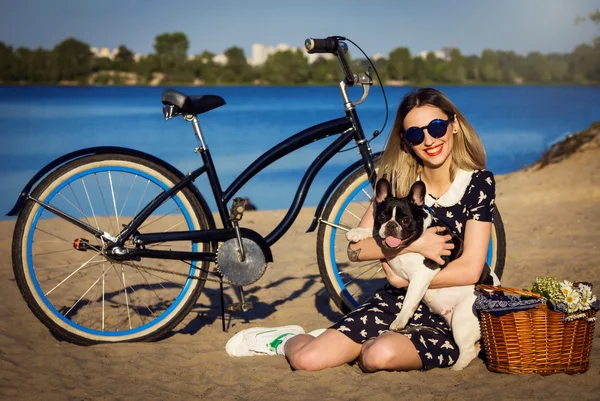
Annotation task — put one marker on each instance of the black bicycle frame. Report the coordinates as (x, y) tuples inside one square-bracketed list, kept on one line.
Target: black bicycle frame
[(348, 127)]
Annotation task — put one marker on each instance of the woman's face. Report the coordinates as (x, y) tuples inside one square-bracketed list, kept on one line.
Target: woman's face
[(434, 152)]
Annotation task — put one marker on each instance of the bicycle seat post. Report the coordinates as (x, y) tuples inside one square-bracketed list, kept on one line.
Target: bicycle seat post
[(197, 132)]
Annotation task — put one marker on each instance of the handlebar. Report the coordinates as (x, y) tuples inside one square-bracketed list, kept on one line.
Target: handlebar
[(335, 45)]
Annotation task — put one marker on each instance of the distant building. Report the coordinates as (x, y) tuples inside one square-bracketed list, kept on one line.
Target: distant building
[(444, 54), (220, 59), (104, 52), (260, 53)]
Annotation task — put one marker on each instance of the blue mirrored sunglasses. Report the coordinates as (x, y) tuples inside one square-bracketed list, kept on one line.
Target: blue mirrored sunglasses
[(436, 128)]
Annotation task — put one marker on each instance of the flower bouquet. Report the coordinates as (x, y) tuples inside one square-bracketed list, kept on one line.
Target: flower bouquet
[(546, 330), (575, 300)]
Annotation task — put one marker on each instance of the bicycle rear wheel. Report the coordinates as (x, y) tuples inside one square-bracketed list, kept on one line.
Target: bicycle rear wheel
[(348, 283), (85, 296)]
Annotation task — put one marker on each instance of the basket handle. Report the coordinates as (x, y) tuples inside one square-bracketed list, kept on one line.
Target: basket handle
[(492, 289)]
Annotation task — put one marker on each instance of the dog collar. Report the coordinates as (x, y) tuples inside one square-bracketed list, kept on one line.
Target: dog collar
[(430, 210)]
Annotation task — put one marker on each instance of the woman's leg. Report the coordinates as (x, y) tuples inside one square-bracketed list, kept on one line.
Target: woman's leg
[(389, 351), (332, 348)]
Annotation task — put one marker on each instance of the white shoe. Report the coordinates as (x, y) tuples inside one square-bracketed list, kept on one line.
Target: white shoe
[(260, 340), (317, 332)]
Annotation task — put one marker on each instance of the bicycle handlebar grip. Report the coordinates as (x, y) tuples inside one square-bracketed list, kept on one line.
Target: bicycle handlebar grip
[(327, 45)]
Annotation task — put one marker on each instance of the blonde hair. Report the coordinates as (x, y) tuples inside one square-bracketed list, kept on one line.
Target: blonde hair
[(401, 166)]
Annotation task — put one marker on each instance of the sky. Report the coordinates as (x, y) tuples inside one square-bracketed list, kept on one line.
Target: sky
[(378, 26)]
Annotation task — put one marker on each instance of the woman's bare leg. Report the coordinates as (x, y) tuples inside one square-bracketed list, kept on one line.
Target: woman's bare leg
[(389, 351), (332, 348)]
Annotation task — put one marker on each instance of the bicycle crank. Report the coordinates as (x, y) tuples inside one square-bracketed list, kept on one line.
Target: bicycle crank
[(237, 270)]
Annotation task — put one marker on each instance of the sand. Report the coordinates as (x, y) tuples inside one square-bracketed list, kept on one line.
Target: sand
[(552, 220)]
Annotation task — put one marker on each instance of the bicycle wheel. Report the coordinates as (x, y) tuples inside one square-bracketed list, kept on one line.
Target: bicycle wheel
[(348, 283), (84, 296)]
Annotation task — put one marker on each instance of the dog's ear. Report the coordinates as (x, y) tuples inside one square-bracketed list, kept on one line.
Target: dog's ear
[(417, 193), (383, 190)]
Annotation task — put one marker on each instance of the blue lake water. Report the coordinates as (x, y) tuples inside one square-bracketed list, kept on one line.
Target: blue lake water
[(38, 124)]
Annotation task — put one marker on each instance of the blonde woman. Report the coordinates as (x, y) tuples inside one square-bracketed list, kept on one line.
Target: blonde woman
[(431, 141)]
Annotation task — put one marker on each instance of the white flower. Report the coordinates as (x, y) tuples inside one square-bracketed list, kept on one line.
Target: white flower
[(566, 287), (572, 300)]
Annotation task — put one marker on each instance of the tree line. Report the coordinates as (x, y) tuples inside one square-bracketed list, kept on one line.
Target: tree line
[(71, 61)]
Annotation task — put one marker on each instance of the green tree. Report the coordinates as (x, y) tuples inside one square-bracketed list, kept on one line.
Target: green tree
[(456, 71), (237, 69), (326, 71), (286, 67), (538, 68), (490, 71), (124, 59), (73, 59), (420, 74), (400, 64), (171, 51), (7, 63)]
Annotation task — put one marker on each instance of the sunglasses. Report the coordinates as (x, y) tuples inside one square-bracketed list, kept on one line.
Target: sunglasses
[(436, 128)]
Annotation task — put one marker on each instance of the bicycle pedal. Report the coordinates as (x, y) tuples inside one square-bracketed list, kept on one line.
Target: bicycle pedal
[(237, 209), (240, 307)]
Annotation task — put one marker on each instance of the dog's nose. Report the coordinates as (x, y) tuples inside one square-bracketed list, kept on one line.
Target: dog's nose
[(392, 228)]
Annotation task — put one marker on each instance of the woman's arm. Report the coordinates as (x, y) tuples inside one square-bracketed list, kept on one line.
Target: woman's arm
[(467, 269)]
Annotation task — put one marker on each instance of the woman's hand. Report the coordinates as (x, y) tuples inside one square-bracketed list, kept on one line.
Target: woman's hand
[(392, 278), (432, 245)]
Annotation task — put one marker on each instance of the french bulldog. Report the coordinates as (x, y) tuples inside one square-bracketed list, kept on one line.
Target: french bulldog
[(397, 223)]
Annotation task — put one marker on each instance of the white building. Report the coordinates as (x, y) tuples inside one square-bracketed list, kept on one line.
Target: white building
[(104, 52), (260, 53)]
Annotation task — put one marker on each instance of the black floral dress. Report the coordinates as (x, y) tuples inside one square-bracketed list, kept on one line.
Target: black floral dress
[(470, 197)]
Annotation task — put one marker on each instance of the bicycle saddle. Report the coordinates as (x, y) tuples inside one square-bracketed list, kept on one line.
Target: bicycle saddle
[(191, 104)]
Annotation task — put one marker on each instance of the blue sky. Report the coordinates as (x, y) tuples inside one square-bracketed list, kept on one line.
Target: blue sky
[(377, 25)]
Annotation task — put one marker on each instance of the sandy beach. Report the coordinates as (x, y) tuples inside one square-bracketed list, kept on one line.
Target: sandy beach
[(552, 221)]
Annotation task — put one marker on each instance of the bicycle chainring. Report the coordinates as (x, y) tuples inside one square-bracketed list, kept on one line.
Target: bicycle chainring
[(241, 272)]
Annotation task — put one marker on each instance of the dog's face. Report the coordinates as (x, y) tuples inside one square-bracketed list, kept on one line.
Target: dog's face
[(399, 221)]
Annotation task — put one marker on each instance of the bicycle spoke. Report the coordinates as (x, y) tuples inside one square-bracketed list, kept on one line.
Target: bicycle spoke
[(128, 193), (104, 203), (126, 297), (370, 278), (71, 275), (363, 273), (53, 235), (79, 203), (160, 218), (112, 192), (348, 271), (355, 216), (90, 202), (142, 198), (67, 265), (84, 294), (74, 207)]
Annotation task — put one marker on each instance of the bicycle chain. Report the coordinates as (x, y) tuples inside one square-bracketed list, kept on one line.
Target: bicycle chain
[(178, 274)]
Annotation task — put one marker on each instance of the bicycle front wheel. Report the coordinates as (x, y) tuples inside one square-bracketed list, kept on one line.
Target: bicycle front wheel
[(85, 296), (348, 283)]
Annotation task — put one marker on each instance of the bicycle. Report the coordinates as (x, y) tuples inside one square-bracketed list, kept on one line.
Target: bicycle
[(114, 244)]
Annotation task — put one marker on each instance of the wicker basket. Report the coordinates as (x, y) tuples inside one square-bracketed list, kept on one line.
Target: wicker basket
[(536, 340)]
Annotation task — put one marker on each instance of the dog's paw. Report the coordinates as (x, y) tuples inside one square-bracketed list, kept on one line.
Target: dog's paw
[(359, 233), (399, 323)]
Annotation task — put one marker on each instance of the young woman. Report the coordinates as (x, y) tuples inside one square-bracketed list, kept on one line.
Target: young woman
[(430, 141)]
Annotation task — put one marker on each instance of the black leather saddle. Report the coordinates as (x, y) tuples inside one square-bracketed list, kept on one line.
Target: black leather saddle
[(191, 104)]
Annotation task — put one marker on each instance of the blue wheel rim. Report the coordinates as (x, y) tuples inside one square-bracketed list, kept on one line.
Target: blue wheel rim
[(344, 293), (51, 307)]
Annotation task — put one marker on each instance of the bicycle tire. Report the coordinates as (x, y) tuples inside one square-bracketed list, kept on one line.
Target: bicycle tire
[(127, 301), (349, 284)]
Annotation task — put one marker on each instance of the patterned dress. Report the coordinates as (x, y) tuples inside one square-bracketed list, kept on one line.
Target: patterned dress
[(470, 197)]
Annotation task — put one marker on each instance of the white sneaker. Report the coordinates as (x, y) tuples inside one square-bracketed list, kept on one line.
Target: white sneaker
[(260, 340)]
